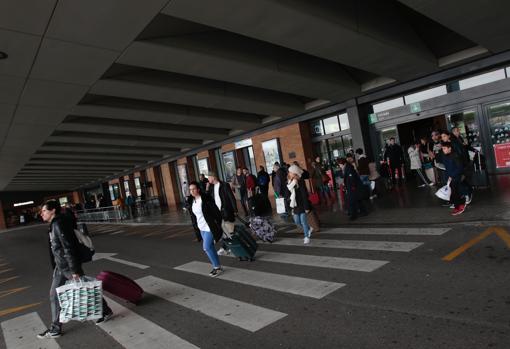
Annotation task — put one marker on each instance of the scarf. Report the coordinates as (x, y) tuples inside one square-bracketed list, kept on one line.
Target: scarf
[(292, 188)]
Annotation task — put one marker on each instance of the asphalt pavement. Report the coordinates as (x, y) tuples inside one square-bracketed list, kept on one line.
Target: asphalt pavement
[(354, 287)]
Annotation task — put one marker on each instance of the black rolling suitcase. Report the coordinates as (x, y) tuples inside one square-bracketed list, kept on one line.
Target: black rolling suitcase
[(478, 177), (242, 244)]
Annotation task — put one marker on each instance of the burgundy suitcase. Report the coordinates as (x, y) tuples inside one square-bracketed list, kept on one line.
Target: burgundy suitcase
[(121, 286)]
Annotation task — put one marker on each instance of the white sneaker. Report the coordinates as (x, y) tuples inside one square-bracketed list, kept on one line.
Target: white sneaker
[(222, 252), (432, 184), (452, 206), (306, 241), (469, 198), (421, 185)]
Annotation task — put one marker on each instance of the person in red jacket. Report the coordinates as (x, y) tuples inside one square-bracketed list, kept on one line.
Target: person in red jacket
[(251, 182)]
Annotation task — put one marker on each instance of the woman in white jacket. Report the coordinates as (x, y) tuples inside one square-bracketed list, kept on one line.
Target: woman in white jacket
[(414, 156)]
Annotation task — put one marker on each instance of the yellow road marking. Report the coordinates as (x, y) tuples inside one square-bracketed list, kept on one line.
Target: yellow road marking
[(3, 281), (502, 233), (16, 309), (12, 291)]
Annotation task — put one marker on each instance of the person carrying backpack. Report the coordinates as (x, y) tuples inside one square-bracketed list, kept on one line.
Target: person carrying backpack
[(263, 181)]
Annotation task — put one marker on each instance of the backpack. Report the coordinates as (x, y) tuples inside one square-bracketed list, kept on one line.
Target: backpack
[(263, 180), (85, 246)]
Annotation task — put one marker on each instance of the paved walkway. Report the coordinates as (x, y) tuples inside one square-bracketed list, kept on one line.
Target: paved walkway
[(405, 204)]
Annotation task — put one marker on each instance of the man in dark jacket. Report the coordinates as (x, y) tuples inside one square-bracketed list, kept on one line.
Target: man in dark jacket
[(455, 172), (263, 180), (395, 156), (353, 187), (65, 251)]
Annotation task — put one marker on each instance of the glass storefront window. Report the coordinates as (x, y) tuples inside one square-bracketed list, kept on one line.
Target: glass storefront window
[(392, 103), (316, 128), (499, 121), (229, 165), (321, 149), (347, 139), (427, 94), (138, 187), (203, 166), (344, 121), (482, 79), (114, 192), (331, 125), (271, 150), (468, 127)]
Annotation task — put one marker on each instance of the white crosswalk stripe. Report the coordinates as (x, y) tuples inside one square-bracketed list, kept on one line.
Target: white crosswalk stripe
[(277, 282), (393, 246), (21, 332), (247, 316), (126, 327), (354, 264), (386, 231)]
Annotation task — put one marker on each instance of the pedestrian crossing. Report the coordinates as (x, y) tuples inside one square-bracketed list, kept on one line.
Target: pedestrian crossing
[(282, 283), (21, 332), (121, 326), (393, 246), (124, 327), (247, 316)]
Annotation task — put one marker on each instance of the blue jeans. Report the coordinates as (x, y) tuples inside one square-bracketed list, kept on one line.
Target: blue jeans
[(300, 219), (208, 245)]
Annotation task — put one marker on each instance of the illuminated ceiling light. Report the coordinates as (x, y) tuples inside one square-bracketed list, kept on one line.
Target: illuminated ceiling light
[(462, 55), (23, 203)]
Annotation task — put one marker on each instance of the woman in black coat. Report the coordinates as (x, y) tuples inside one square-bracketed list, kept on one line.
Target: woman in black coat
[(206, 219)]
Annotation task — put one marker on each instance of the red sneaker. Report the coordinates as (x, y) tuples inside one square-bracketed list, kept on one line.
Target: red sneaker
[(458, 210)]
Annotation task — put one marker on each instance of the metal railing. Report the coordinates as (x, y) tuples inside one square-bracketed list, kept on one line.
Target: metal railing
[(120, 213)]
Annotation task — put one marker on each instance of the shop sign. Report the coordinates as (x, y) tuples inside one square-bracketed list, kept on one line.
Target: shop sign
[(502, 154), (372, 118), (415, 107), (243, 144)]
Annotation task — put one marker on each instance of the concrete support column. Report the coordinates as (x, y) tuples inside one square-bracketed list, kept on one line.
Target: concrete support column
[(169, 177), (3, 223), (358, 123)]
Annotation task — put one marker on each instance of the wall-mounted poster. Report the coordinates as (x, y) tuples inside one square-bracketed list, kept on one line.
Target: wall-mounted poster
[(271, 150), (229, 165), (203, 166)]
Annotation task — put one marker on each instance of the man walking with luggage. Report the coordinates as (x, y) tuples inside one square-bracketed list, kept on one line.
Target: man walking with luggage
[(65, 253), (239, 183)]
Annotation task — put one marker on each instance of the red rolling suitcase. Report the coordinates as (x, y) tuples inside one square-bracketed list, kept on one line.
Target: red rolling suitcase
[(121, 286)]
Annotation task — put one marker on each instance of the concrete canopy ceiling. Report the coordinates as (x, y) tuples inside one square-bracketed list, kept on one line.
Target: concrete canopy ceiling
[(92, 88)]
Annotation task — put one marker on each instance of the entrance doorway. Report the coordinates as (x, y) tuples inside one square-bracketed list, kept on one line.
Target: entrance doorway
[(412, 131)]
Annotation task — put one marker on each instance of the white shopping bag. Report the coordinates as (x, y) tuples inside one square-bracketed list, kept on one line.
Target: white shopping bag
[(81, 300), (280, 206), (445, 192)]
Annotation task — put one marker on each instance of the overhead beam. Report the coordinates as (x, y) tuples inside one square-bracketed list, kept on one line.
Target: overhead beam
[(236, 59), (100, 148), (159, 86), (167, 114), (367, 34), (484, 24), (116, 139), (140, 128)]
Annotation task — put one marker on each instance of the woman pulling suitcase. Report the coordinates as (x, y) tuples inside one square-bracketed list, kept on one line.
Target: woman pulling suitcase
[(206, 219)]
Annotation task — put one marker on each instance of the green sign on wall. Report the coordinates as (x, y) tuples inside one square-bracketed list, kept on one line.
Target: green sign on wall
[(372, 118), (415, 107)]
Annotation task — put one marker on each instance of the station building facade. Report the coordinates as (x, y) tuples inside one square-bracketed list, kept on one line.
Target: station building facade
[(475, 98)]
